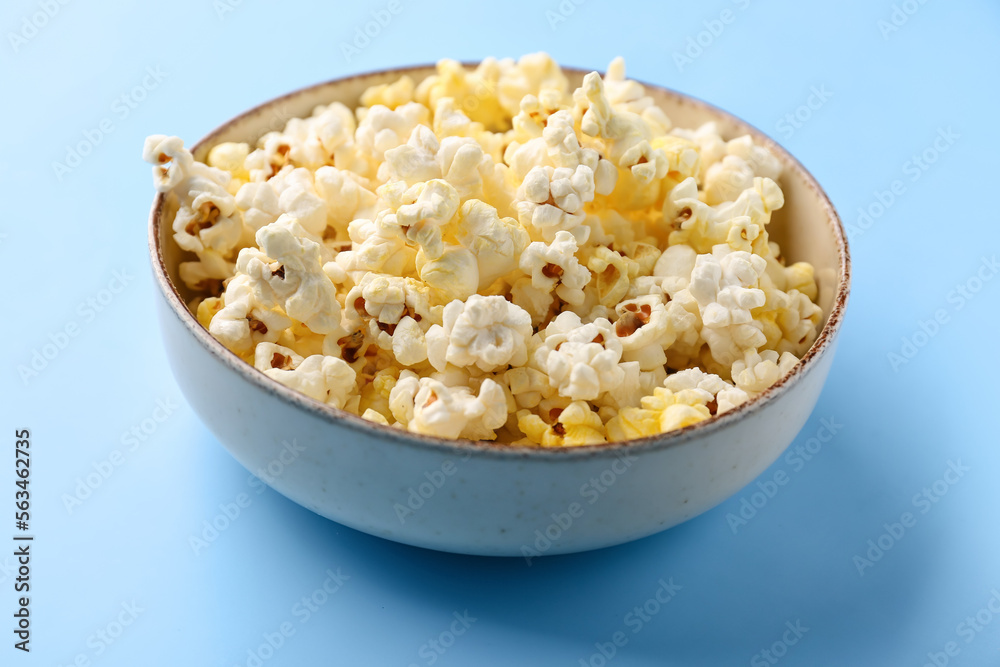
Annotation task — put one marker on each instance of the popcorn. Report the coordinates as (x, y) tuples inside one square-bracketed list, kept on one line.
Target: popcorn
[(739, 223), (496, 242), (576, 425), (288, 273), (433, 205), (347, 196), (207, 219), (724, 284), (327, 379), (662, 412), (551, 200), (243, 322), (390, 95), (452, 276), (580, 359), (554, 267), (725, 396), (485, 331), (473, 92), (171, 161), (378, 246), (488, 254), (755, 372), (383, 129), (428, 406)]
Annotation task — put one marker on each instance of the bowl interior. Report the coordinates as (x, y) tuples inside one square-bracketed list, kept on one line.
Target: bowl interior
[(807, 227)]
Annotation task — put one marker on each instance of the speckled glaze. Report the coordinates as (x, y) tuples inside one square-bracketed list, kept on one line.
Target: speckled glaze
[(484, 498)]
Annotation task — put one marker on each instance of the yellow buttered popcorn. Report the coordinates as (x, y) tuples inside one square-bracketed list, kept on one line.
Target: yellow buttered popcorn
[(490, 254)]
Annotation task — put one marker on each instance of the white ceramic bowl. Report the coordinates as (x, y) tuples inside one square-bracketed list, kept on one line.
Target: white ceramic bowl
[(482, 498)]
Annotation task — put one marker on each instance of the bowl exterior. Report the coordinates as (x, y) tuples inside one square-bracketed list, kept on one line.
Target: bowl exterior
[(467, 502), (491, 500)]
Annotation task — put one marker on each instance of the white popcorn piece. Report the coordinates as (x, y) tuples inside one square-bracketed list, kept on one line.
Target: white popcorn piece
[(645, 328), (725, 395), (409, 346), (453, 275), (755, 372), (383, 129), (611, 273), (378, 245), (627, 95), (207, 217), (537, 302), (289, 273), (496, 242), (433, 205), (580, 359), (428, 406), (259, 203), (626, 136), (207, 273), (230, 156), (415, 161), (554, 267), (559, 147), (172, 162), (725, 285), (244, 322), (474, 92), (388, 299), (390, 95), (534, 74), (551, 200), (739, 223), (298, 198), (327, 379), (487, 332), (347, 196)]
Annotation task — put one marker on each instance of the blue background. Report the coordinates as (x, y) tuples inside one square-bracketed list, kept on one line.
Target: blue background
[(63, 235)]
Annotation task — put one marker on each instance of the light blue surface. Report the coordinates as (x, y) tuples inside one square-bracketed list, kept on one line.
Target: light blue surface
[(794, 561)]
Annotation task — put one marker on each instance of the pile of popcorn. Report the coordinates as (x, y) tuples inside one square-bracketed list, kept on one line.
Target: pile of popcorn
[(491, 255)]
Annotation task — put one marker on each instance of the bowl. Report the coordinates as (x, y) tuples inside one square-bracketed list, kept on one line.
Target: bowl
[(485, 498)]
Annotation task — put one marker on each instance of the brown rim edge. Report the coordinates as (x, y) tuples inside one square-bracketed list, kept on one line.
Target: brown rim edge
[(823, 341)]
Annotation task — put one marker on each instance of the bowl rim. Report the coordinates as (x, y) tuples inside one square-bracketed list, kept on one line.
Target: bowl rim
[(824, 341)]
